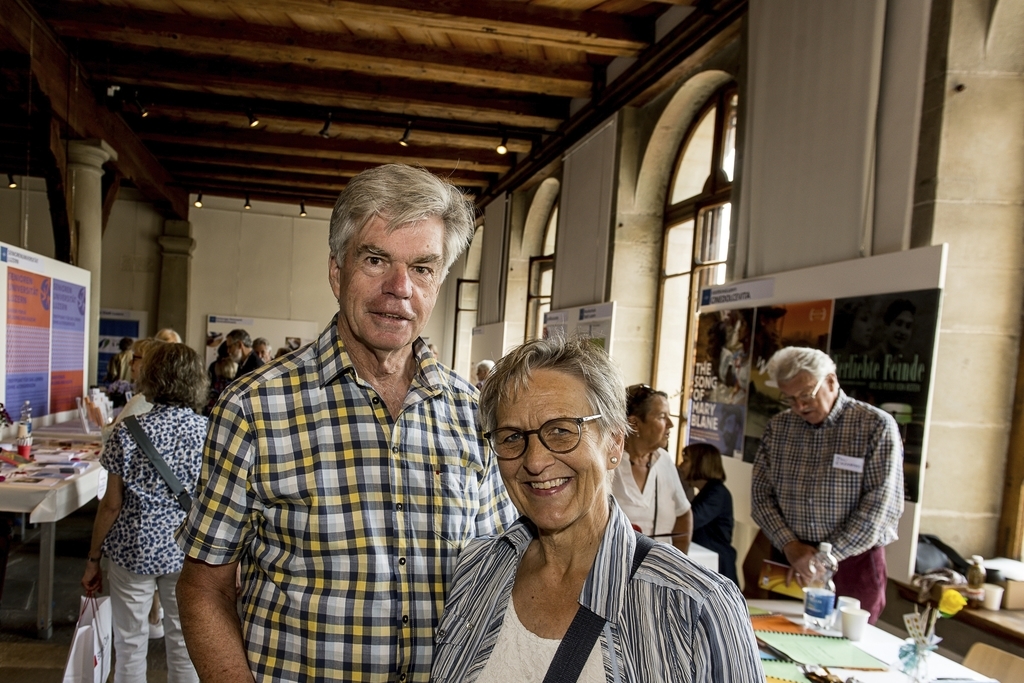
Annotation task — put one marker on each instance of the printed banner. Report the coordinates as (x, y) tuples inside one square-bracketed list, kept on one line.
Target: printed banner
[(67, 367), (28, 341)]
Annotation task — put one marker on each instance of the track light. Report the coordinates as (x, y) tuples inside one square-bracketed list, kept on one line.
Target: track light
[(302, 207), (253, 120), (248, 205), (198, 203), (325, 131), (502, 147), (404, 142), (10, 181), (143, 112)]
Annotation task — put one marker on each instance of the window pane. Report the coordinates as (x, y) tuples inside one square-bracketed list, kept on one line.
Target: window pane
[(729, 146), (675, 307), (695, 165), (679, 248), (551, 231), (714, 233)]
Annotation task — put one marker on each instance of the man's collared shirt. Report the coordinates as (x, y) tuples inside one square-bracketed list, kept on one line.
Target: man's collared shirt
[(840, 481), (675, 621), (347, 523)]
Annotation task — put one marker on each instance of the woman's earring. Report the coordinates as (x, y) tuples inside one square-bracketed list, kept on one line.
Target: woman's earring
[(614, 460)]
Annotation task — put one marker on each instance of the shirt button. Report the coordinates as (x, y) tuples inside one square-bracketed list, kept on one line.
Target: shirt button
[(405, 619), (394, 449), (401, 560), (402, 677), (398, 507), (376, 400)]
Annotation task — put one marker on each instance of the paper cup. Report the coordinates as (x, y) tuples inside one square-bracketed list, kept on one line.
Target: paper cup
[(855, 620), (993, 596)]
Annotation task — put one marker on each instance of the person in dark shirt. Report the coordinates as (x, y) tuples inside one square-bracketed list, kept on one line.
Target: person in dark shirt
[(712, 507)]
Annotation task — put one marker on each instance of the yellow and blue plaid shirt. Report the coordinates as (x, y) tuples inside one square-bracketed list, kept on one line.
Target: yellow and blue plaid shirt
[(348, 523)]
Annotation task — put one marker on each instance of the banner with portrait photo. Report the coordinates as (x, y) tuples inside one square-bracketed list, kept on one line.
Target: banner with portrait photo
[(882, 346)]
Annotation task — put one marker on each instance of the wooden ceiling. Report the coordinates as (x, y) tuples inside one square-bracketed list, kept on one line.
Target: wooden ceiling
[(334, 85)]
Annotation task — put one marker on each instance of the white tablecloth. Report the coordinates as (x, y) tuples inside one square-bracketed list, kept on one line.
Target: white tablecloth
[(883, 646), (52, 503)]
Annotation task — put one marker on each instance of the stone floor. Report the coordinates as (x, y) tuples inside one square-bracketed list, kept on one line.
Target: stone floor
[(24, 658)]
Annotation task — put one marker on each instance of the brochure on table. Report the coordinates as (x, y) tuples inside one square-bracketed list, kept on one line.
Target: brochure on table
[(44, 335)]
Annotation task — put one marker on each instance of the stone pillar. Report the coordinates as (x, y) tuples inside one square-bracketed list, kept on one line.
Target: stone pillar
[(176, 245), (85, 175)]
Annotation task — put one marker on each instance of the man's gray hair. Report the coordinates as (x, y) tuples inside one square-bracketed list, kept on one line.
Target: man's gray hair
[(787, 363), (487, 365), (260, 341), (401, 194), (577, 357)]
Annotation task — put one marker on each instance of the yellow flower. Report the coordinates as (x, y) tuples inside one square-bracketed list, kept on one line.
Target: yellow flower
[(952, 602)]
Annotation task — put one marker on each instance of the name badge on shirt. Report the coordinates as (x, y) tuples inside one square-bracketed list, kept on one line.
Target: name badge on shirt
[(848, 463)]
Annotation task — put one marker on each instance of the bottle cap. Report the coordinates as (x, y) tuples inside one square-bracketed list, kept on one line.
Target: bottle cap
[(824, 547), (977, 559)]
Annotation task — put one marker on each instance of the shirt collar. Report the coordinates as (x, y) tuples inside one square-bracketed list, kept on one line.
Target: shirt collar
[(334, 361), (604, 591), (837, 408)]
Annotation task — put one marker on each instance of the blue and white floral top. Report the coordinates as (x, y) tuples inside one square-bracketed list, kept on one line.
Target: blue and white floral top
[(141, 539)]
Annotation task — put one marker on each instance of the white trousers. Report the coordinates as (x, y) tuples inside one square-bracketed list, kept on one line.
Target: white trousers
[(130, 598)]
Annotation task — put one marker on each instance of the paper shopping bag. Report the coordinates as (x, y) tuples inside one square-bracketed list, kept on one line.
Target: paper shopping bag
[(90, 655)]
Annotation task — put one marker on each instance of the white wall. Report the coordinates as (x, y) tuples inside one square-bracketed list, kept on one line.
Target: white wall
[(131, 256)]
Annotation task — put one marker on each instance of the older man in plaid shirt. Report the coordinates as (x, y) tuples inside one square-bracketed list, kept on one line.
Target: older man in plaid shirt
[(829, 469), (345, 477)]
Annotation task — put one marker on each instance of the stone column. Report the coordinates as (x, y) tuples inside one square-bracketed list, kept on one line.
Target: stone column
[(176, 246), (85, 175)]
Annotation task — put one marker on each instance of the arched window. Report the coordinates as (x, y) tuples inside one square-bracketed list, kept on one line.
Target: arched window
[(542, 271), (696, 239)]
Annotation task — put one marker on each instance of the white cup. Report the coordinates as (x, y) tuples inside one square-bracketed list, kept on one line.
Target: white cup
[(855, 620), (993, 596), (841, 602)]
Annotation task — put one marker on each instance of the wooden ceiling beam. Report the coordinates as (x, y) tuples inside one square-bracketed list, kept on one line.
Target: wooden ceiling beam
[(243, 174), (330, 52), (593, 32), (402, 97), (173, 155), (64, 81), (257, 140), (284, 195)]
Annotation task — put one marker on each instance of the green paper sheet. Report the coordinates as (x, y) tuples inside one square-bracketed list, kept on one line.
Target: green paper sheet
[(822, 650), (756, 611), (787, 671)]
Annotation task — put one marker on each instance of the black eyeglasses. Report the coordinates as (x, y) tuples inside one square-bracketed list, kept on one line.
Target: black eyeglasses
[(561, 435), (636, 395)]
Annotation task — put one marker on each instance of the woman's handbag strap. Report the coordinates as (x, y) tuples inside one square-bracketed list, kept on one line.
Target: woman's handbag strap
[(574, 650), (184, 500)]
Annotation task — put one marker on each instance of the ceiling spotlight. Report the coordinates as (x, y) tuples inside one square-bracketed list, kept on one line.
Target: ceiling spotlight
[(248, 205), (404, 142), (143, 112), (253, 120), (198, 203), (325, 131), (10, 181), (502, 147), (302, 207)]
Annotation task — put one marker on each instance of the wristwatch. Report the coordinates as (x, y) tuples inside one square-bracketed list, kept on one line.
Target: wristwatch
[(90, 558)]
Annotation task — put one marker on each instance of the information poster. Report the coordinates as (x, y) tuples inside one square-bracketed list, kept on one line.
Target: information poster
[(28, 341), (283, 335), (115, 325), (67, 367)]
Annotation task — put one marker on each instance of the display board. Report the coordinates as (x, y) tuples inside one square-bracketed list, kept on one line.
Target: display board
[(115, 324), (877, 317), (44, 332), (595, 322), (290, 334)]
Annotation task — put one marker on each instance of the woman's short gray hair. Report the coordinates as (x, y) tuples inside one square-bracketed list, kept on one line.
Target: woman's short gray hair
[(787, 363), (402, 194), (577, 357)]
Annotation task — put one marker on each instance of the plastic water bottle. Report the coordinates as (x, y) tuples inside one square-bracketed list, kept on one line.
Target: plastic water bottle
[(820, 592), (26, 417)]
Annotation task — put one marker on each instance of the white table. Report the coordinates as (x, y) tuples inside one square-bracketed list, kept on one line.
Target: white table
[(46, 506), (883, 646), (703, 556)]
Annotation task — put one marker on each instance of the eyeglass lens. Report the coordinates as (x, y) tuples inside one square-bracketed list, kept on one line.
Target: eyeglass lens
[(560, 435)]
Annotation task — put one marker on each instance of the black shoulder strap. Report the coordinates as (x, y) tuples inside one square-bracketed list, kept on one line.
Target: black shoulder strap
[(574, 650), (184, 500)]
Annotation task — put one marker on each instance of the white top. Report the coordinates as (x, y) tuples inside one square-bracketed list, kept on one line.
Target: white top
[(639, 507), (522, 656)]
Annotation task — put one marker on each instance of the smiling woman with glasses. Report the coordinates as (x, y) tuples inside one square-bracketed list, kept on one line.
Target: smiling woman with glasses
[(571, 586)]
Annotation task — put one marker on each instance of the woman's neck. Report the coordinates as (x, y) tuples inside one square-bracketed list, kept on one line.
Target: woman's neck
[(639, 454)]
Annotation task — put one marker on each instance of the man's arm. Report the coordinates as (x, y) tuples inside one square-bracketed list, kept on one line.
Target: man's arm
[(209, 622), (881, 500)]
